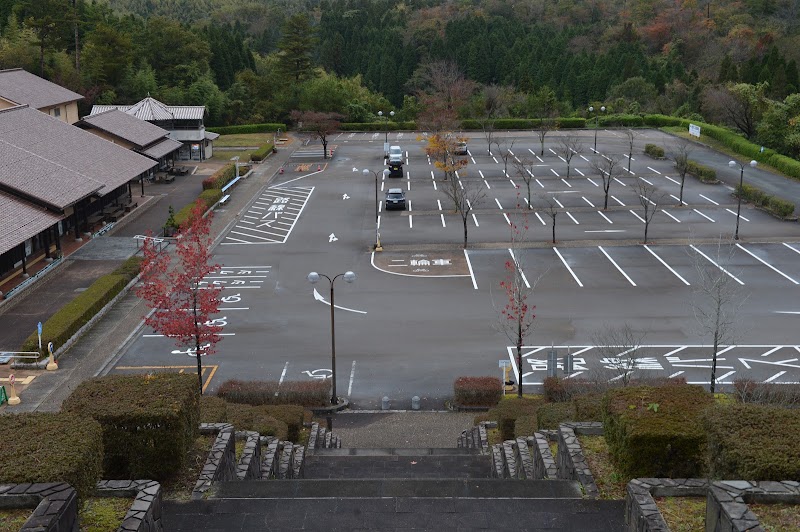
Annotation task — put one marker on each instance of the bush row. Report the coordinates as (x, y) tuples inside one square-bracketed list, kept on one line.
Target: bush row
[(619, 120), (247, 128), (766, 393), (62, 325), (654, 151), (220, 178), (701, 172), (378, 126), (477, 391), (525, 123), (209, 198), (262, 153), (509, 410), (758, 197), (282, 421), (149, 423), (46, 447), (304, 393)]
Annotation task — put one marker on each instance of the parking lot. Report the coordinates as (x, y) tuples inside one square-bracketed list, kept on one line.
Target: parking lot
[(424, 310)]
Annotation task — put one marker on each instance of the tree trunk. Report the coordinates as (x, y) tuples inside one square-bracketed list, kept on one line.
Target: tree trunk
[(77, 40), (324, 148), (519, 369), (712, 384), (554, 230), (464, 219), (680, 196)]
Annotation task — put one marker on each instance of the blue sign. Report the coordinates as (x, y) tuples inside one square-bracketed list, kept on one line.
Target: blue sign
[(39, 327)]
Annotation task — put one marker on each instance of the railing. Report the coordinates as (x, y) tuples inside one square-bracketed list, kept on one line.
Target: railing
[(30, 280), (141, 239), (103, 230)]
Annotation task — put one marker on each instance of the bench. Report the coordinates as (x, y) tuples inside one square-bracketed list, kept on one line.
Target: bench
[(130, 206), (169, 178), (224, 199), (230, 184)]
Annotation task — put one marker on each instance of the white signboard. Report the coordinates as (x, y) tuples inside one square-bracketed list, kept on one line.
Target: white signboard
[(694, 130)]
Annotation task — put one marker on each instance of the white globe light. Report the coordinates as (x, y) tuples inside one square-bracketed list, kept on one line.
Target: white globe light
[(313, 277), (349, 276)]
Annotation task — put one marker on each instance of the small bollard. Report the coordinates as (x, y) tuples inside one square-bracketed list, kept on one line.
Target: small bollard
[(330, 423), (385, 403), (415, 402)]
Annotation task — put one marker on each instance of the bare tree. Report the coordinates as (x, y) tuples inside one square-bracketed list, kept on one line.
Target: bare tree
[(608, 169), (320, 125), (621, 348), (441, 89), (504, 150), (465, 195), (683, 149), (569, 147), (542, 128), (487, 125), (551, 208), (649, 198), (716, 300), (524, 169), (631, 136)]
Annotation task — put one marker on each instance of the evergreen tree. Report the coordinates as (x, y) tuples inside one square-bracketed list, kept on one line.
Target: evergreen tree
[(296, 46)]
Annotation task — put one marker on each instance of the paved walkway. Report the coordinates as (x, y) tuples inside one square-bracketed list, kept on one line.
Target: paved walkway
[(408, 430)]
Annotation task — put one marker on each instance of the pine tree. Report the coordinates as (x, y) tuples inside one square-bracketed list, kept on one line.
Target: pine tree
[(296, 46)]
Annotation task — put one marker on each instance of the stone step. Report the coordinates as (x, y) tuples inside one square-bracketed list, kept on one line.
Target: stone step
[(445, 451), (396, 465), (333, 510)]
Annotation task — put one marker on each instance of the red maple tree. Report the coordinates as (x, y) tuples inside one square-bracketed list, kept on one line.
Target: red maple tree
[(182, 301)]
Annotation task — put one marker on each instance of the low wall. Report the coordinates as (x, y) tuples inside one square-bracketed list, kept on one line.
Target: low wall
[(144, 514), (55, 505), (220, 465), (570, 460)]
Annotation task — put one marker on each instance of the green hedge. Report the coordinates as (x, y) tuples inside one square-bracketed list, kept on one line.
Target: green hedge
[(62, 325), (701, 172), (753, 442), (477, 391), (377, 126), (149, 422), (509, 410), (588, 407), (551, 415), (664, 121), (213, 409), (220, 178), (257, 418), (247, 128), (261, 153), (525, 426), (303, 393), (46, 447), (758, 197), (657, 432), (619, 120), (787, 165), (654, 151), (209, 198)]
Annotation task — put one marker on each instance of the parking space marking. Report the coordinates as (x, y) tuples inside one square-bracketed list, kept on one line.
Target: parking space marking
[(637, 216), (556, 173), (471, 273), (673, 180), (765, 263), (616, 265), (545, 223), (276, 209), (668, 214), (740, 216), (592, 182), (566, 182), (572, 218), (540, 183), (618, 201), (708, 199), (563, 261), (676, 198), (587, 201), (620, 182), (726, 272), (790, 247), (704, 216), (646, 181), (667, 266), (410, 223), (654, 170), (558, 202), (605, 217), (521, 273)]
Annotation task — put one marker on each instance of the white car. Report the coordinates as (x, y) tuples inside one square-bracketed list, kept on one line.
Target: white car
[(395, 154)]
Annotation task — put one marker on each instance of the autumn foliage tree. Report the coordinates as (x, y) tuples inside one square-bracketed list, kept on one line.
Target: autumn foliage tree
[(183, 303), (320, 125)]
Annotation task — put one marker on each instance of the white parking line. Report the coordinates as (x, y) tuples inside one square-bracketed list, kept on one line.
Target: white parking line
[(410, 222), (708, 199), (566, 182), (471, 273), (443, 224), (495, 159), (581, 173), (379, 221), (673, 196), (762, 261), (667, 266), (556, 173), (668, 214), (513, 184), (654, 170), (639, 217), (380, 206), (551, 151), (567, 267), (703, 215), (651, 202), (646, 181), (618, 201), (620, 182), (545, 223), (790, 247), (740, 216), (616, 265), (589, 179), (521, 273), (352, 376), (573, 219), (726, 272), (673, 180), (604, 216), (283, 373), (587, 201), (498, 203), (584, 158), (540, 183), (475, 219), (558, 203), (562, 159)]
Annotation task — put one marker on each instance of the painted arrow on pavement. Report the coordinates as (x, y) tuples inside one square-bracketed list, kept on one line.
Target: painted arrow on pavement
[(318, 297)]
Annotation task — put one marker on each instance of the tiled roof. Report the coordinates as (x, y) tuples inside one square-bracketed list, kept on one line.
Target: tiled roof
[(160, 149), (211, 136), (22, 87), (45, 158), (151, 109), (21, 220), (127, 127)]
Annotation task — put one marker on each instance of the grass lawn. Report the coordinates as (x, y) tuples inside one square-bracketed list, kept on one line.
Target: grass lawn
[(610, 483), (778, 517), (249, 139), (683, 514), (12, 519), (225, 156), (103, 514), (180, 487), (240, 449)]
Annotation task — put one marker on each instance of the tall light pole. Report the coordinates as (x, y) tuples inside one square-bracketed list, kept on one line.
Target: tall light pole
[(739, 192), (596, 122), (349, 277), (366, 172), (386, 126)]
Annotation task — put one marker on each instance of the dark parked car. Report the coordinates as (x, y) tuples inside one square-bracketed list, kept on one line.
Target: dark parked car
[(395, 169), (395, 199)]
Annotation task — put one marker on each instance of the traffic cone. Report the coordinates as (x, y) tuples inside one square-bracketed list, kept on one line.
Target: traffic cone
[(281, 170), (319, 168)]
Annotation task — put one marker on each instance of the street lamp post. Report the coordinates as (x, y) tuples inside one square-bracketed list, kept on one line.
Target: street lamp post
[(596, 122), (349, 277), (386, 126), (366, 172), (734, 164)]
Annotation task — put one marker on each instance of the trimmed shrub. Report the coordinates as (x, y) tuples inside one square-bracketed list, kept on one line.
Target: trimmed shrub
[(292, 415), (247, 128), (46, 447), (525, 426), (477, 391), (558, 390), (758, 197), (753, 442), (781, 207), (766, 393), (71, 317), (247, 417), (303, 393), (551, 415), (261, 153), (509, 410), (213, 409), (570, 123), (657, 432), (377, 126), (654, 151), (621, 120), (701, 172), (130, 268), (664, 121), (787, 165), (149, 422), (209, 198), (588, 407), (220, 178)]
